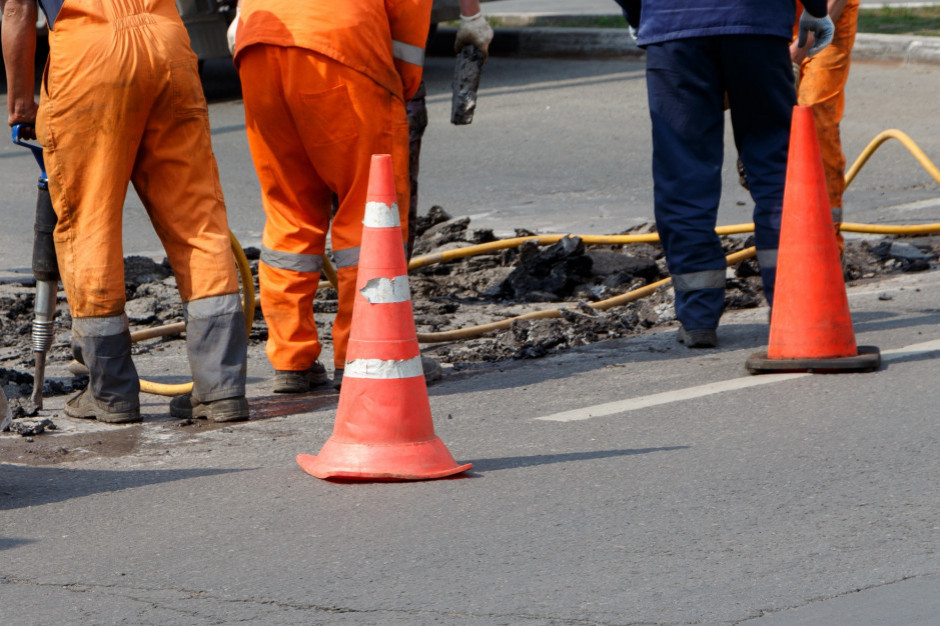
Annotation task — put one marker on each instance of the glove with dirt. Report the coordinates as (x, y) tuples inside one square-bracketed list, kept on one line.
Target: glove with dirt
[(474, 31), (822, 29)]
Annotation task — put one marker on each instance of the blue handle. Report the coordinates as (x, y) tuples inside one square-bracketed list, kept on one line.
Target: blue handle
[(36, 150)]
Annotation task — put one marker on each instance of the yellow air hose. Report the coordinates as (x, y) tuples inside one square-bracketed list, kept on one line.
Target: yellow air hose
[(329, 271), (642, 292)]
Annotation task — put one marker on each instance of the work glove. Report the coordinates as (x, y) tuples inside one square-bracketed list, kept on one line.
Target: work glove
[(474, 31), (232, 29), (822, 29)]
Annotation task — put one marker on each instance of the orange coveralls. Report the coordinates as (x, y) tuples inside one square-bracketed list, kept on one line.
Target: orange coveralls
[(121, 102), (324, 85), (821, 85)]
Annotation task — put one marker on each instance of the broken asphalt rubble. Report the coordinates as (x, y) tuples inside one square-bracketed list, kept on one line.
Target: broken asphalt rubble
[(471, 291)]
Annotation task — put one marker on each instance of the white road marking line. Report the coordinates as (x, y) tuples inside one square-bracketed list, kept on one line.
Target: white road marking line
[(914, 206), (643, 402)]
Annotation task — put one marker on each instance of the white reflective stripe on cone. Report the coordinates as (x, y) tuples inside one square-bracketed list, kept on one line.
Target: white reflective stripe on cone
[(381, 215), (387, 290), (379, 368)]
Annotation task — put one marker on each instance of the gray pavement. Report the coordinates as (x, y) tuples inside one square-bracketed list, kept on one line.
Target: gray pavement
[(628, 482)]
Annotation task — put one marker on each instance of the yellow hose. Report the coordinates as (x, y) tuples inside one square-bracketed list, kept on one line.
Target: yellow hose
[(248, 307), (907, 142), (329, 272), (602, 305)]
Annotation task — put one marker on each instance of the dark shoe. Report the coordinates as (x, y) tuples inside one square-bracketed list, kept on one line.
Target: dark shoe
[(698, 338), (287, 381), (224, 410), (84, 405), (432, 372)]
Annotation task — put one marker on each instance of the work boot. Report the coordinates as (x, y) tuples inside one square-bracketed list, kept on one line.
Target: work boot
[(288, 381), (84, 405), (698, 338), (432, 372), (224, 410)]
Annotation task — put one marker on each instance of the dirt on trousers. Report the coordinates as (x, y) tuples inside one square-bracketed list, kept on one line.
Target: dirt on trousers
[(448, 296)]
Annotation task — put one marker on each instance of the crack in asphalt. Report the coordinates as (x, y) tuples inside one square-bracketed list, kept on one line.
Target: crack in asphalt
[(767, 612), (127, 593)]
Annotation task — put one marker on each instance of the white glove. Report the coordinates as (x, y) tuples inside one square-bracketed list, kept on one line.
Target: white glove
[(822, 29), (474, 31), (232, 29)]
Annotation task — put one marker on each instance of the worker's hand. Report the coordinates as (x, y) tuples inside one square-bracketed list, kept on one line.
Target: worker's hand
[(797, 54), (821, 28), (474, 31), (232, 30), (24, 113)]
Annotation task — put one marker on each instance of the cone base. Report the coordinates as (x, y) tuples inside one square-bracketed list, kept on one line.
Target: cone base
[(868, 359), (421, 460)]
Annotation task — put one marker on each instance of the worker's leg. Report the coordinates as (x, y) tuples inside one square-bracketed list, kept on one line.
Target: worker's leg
[(822, 86), (417, 122), (177, 179), (296, 205), (346, 118), (89, 124), (758, 75), (685, 100)]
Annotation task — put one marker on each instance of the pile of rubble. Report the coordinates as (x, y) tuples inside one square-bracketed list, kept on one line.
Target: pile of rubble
[(472, 291)]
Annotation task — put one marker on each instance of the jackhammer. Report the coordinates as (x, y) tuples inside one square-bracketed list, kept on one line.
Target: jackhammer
[(45, 271)]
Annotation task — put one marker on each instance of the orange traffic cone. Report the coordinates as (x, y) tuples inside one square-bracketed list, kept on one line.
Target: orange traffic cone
[(810, 327), (383, 428)]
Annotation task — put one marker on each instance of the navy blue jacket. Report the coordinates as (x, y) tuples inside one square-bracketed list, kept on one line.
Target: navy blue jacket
[(666, 20)]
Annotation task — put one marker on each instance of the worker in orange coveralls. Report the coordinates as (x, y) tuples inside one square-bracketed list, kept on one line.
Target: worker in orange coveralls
[(821, 84), (324, 85), (121, 102)]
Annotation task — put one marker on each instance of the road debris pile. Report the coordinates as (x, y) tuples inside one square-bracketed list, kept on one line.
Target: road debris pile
[(467, 292)]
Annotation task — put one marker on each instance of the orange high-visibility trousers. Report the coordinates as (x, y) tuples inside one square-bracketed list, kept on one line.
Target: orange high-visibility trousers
[(313, 125), (122, 101), (822, 86)]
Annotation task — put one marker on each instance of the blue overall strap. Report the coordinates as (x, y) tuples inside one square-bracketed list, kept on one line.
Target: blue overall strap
[(51, 9)]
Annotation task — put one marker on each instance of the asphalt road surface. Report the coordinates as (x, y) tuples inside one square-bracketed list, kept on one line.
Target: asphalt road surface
[(629, 482), (556, 145)]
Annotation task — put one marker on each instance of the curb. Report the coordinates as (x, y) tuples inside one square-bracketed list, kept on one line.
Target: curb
[(605, 43)]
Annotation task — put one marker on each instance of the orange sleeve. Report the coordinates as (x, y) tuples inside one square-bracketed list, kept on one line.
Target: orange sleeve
[(410, 21)]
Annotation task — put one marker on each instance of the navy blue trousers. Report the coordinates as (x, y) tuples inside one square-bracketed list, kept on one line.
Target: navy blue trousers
[(687, 80)]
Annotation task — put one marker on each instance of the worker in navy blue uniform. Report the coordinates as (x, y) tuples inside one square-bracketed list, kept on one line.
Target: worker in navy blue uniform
[(696, 52)]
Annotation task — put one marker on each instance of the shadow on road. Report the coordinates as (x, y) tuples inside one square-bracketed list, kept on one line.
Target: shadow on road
[(22, 486), (513, 462)]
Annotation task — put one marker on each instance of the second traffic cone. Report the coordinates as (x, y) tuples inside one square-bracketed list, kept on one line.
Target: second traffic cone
[(383, 428), (811, 326)]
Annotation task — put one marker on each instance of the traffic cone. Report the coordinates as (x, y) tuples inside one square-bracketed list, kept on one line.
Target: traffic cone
[(383, 428), (810, 327)]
